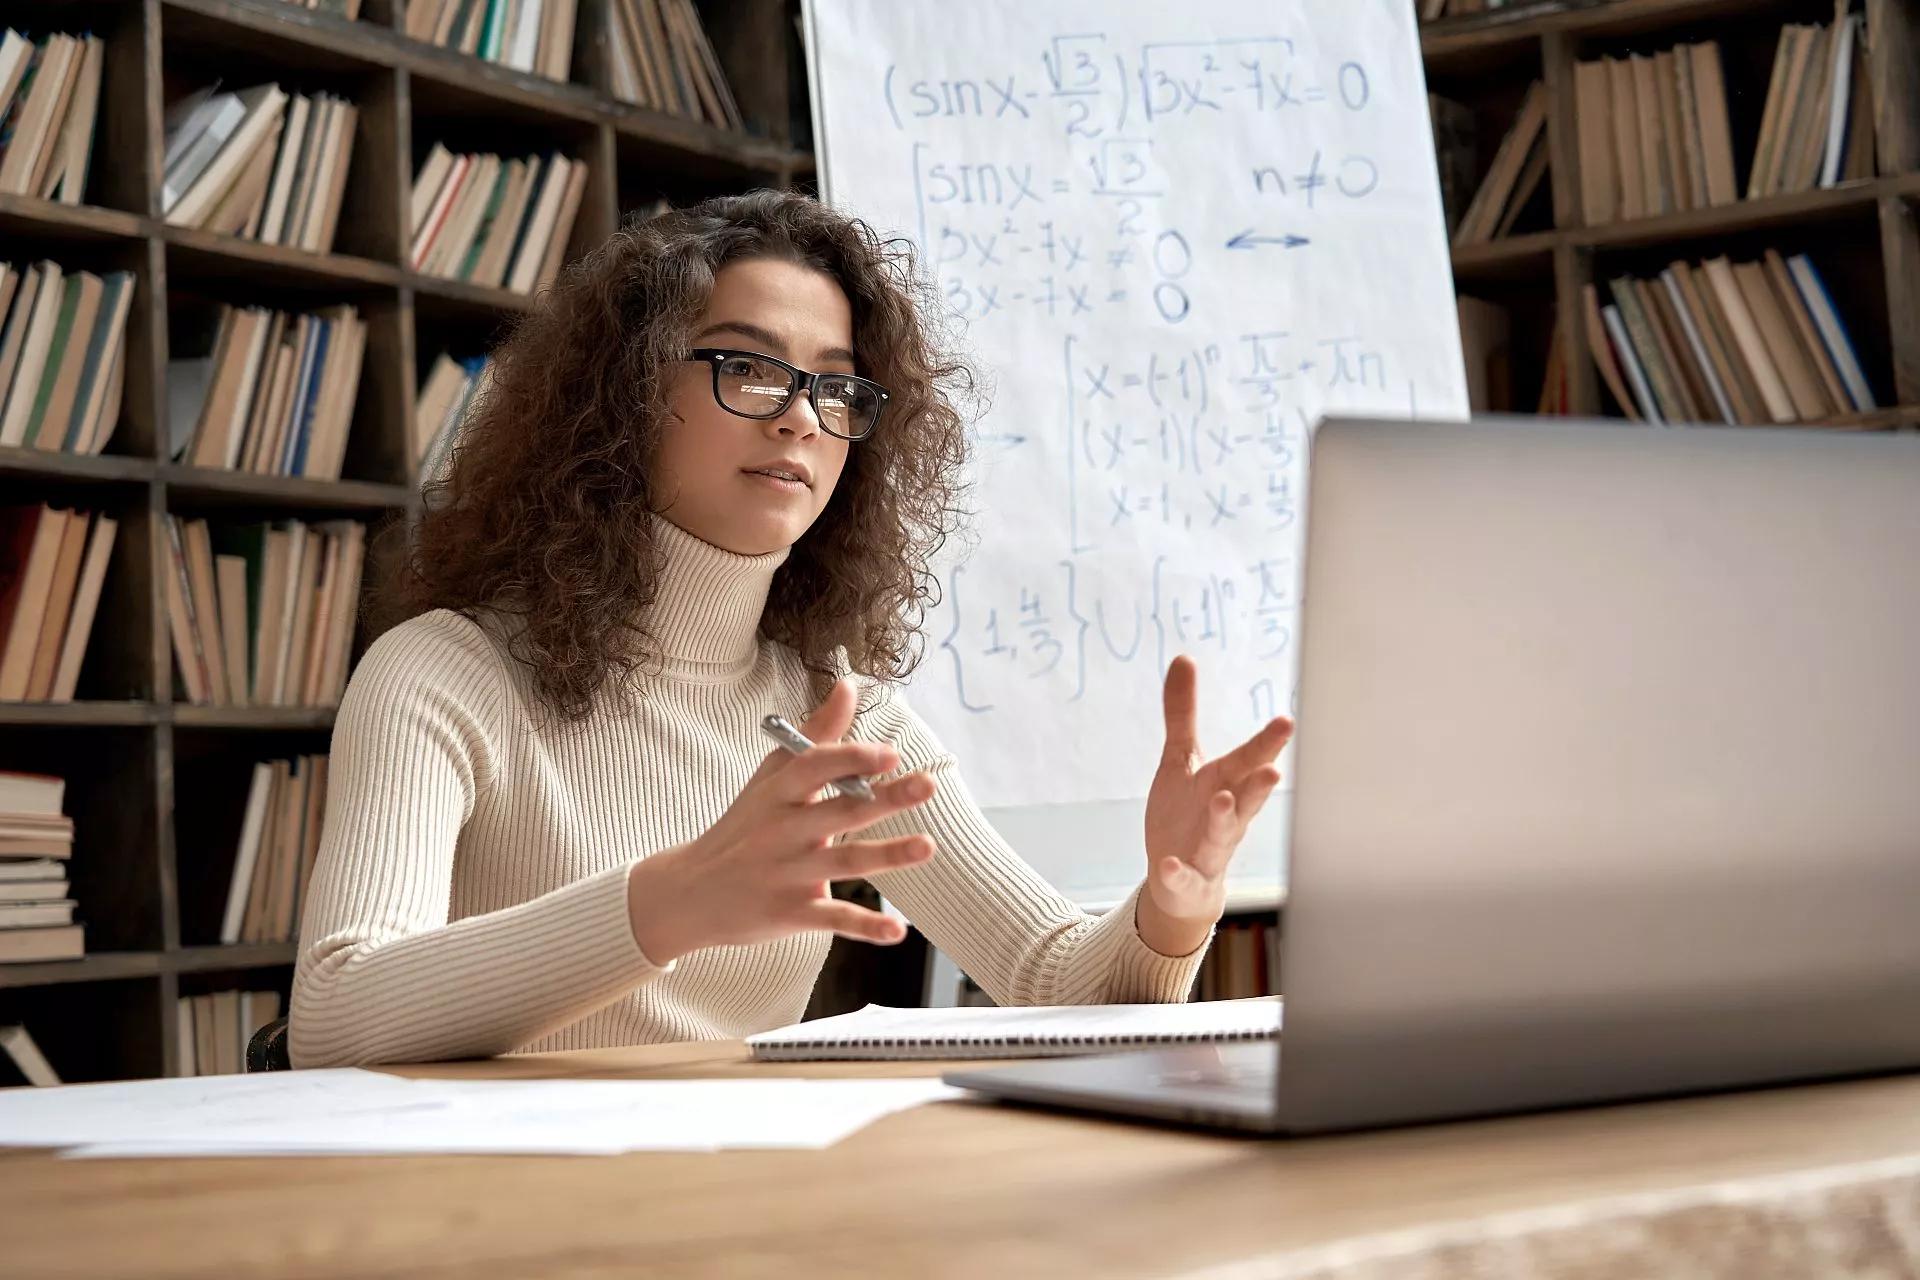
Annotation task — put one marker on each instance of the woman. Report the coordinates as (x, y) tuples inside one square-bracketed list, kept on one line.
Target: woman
[(702, 487)]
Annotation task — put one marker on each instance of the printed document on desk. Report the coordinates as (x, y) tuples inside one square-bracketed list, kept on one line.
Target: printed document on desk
[(354, 1112)]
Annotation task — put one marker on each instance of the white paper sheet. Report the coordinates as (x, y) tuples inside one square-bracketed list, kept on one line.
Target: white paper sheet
[(367, 1113), (1175, 235)]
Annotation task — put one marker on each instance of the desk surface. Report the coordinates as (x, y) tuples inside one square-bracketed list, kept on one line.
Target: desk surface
[(951, 1189)]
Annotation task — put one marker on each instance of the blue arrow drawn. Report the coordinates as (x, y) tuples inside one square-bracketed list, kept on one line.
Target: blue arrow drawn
[(1247, 240)]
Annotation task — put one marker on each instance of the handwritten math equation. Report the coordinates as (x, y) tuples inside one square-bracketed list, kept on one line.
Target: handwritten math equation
[(1055, 209)]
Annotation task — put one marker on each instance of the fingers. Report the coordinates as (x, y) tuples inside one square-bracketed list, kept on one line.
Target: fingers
[(841, 814), (830, 721), (804, 775), (1258, 750), (1222, 836), (850, 921), (1251, 792), (1178, 702), (857, 859)]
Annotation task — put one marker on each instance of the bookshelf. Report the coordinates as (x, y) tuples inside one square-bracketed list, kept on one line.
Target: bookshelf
[(1864, 234), (156, 784)]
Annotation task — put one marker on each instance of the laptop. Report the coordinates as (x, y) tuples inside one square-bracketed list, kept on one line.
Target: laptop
[(1608, 780)]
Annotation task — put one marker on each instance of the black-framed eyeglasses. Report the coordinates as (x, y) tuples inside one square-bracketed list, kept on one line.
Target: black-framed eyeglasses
[(761, 387)]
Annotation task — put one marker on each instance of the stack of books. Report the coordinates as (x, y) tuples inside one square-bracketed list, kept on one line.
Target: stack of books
[(1817, 130), (62, 356), (36, 843), (1653, 134), (215, 1029), (503, 223), (1244, 961), (276, 395), (527, 35), (52, 566), (662, 59), (267, 620), (1519, 168), (49, 101), (260, 164), (279, 839), (446, 392), (1750, 343)]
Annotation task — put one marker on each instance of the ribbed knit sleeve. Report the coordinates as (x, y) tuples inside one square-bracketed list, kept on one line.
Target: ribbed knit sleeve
[(979, 902), (381, 975)]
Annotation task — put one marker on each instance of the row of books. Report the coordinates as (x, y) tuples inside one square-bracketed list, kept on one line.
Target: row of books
[(1719, 341), (53, 564), (661, 59), (263, 615), (1519, 167), (1817, 129), (260, 164), (62, 356), (215, 140), (494, 221), (1244, 961), (36, 845), (275, 396), (527, 35), (49, 103), (279, 839), (445, 393), (215, 1028), (1653, 134)]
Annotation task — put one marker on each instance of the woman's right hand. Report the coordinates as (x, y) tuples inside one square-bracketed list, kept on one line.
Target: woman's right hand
[(763, 870)]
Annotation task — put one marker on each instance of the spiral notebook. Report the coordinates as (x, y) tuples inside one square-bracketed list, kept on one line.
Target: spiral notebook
[(881, 1033)]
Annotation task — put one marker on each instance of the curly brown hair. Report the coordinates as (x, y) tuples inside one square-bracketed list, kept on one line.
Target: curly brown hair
[(543, 521)]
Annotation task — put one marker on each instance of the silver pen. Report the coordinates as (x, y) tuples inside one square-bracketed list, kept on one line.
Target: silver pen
[(782, 731)]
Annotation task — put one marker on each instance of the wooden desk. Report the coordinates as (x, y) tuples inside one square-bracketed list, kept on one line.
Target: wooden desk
[(957, 1189)]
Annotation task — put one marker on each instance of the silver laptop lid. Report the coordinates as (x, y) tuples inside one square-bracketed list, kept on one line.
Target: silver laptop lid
[(1609, 766)]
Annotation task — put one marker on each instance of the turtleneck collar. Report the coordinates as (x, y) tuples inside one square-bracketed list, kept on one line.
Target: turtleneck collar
[(706, 617)]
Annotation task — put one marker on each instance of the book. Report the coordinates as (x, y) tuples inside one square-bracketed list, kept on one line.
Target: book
[(32, 537), (52, 942), (32, 793), (1752, 343), (60, 592), (279, 391), (247, 855), (29, 915), (27, 1058), (268, 621), (31, 869), (880, 1033), (26, 365), (1819, 303), (1456, 150), (53, 890), (261, 106), (35, 126), (1511, 162)]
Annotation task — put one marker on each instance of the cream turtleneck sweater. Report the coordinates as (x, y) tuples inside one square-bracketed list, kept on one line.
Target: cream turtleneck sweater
[(470, 896)]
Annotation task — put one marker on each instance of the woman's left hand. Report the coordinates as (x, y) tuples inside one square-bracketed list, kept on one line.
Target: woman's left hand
[(1197, 813)]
